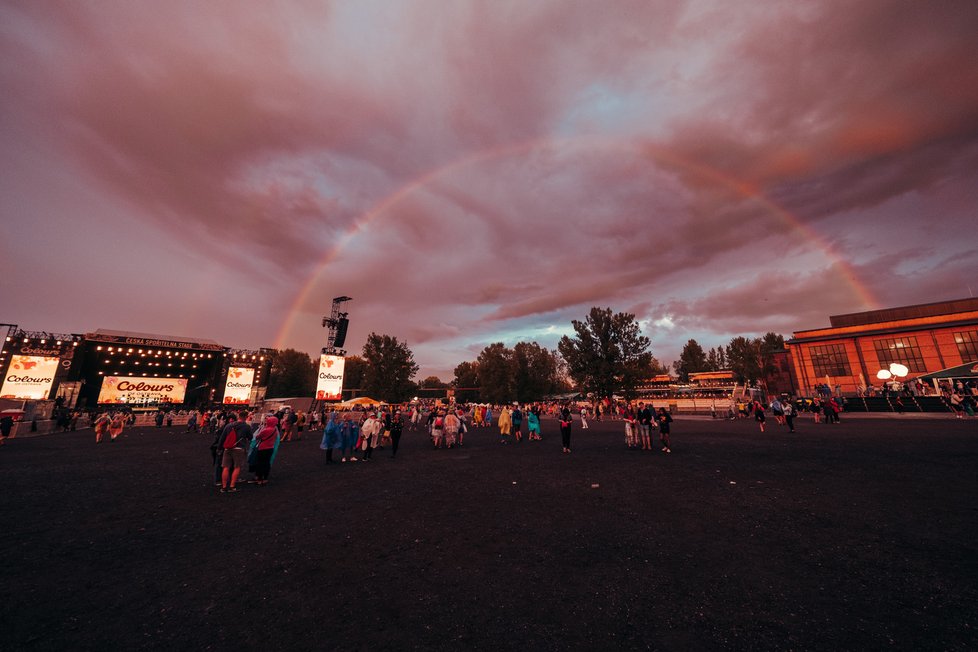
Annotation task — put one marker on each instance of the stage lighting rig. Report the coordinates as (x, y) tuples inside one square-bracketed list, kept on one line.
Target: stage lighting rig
[(337, 323)]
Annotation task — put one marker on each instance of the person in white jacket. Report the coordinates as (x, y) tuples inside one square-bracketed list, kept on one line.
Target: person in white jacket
[(370, 432)]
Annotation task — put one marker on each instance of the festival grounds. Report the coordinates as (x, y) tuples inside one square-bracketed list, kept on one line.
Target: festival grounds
[(862, 535)]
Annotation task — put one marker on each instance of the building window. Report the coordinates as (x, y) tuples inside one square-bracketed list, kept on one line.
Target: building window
[(967, 345), (830, 360), (900, 349)]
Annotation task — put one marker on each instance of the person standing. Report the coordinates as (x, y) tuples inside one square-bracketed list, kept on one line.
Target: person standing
[(533, 425), (789, 415), (452, 425), (645, 419), (777, 409), (101, 427), (628, 416), (266, 440), (370, 430), (116, 426), (234, 441), (505, 425), (332, 437), (664, 419), (517, 418), (397, 427), (565, 428), (759, 414), (349, 433)]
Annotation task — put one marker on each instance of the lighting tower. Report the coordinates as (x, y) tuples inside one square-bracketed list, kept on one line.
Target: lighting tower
[(337, 324)]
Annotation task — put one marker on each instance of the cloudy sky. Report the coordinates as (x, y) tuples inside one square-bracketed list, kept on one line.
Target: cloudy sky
[(472, 172)]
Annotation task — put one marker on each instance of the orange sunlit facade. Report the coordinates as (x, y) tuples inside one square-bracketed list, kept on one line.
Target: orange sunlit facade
[(925, 338)]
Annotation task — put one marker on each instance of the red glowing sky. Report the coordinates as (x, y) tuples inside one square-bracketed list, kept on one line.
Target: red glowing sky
[(472, 172)]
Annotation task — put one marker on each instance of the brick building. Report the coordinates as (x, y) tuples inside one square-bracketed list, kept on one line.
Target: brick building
[(926, 338)]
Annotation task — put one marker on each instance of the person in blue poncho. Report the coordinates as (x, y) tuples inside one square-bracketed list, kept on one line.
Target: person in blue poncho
[(533, 425), (332, 437), (349, 434)]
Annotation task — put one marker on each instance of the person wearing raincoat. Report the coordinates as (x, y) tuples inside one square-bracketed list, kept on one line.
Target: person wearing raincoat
[(332, 437)]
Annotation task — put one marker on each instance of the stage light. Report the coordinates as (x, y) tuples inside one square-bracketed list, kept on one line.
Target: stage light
[(58, 343), (898, 369), (98, 348), (74, 343), (26, 340), (8, 338), (130, 350), (43, 341), (137, 361), (100, 373)]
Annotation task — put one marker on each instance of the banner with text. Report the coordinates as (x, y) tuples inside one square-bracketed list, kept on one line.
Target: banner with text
[(237, 388), (29, 377), (330, 384), (134, 390)]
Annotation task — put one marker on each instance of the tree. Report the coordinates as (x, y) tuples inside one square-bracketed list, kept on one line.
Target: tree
[(293, 373), (466, 378), (353, 372), (691, 360), (390, 368), (433, 382), (495, 373), (716, 359), (752, 359), (608, 353), (535, 372)]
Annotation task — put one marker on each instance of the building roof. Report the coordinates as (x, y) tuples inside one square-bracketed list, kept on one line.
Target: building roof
[(110, 334), (905, 312)]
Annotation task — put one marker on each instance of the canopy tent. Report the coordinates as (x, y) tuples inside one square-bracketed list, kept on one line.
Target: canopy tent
[(360, 400), (967, 371)]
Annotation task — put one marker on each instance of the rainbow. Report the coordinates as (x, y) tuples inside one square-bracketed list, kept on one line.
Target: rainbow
[(660, 155)]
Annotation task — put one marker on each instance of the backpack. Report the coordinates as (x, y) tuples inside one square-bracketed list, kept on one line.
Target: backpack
[(439, 422), (231, 440)]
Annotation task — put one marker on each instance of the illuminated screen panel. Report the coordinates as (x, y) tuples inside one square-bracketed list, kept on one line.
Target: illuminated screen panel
[(330, 384), (237, 387), (29, 377), (131, 389)]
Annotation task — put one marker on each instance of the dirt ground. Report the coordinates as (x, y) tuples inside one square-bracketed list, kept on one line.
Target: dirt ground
[(859, 535)]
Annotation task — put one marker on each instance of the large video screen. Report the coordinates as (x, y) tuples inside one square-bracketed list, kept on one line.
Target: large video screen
[(135, 390), (29, 377), (330, 384), (237, 388)]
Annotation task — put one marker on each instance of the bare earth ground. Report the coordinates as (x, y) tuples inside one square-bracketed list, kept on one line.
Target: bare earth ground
[(861, 535)]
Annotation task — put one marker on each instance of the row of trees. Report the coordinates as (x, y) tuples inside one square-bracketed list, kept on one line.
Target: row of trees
[(607, 355), (749, 359), (527, 372)]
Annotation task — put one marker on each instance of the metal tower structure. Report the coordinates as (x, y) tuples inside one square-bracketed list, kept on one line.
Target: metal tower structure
[(337, 324)]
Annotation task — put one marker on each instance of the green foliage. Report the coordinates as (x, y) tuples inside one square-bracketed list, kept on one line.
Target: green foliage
[(293, 373), (716, 359), (353, 373), (467, 376), (495, 378), (390, 368), (433, 382), (752, 359), (691, 360), (608, 354)]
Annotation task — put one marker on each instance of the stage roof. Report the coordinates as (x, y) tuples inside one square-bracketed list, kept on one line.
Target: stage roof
[(149, 339)]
